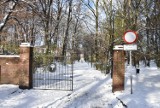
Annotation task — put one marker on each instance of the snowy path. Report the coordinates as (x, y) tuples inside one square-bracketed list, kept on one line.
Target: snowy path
[(92, 89), (89, 89)]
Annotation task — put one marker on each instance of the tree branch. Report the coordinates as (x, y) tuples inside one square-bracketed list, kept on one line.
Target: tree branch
[(7, 15)]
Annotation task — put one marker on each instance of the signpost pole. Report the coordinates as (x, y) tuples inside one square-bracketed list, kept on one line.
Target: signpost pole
[(130, 59)]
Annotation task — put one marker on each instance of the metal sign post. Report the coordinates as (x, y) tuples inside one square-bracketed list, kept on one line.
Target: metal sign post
[(130, 58), (130, 37)]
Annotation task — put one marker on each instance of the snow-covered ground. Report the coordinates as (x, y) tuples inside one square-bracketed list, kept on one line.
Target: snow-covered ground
[(92, 89)]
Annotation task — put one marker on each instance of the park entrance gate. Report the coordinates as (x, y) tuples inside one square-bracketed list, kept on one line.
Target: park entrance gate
[(51, 72)]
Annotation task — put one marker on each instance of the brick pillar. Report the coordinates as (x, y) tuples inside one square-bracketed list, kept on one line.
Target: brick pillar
[(0, 74), (25, 75), (118, 70)]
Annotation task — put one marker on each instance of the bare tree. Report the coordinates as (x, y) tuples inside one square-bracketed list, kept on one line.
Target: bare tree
[(12, 5)]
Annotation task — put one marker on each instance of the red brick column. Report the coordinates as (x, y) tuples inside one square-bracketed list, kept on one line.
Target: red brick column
[(25, 75), (0, 74), (118, 70)]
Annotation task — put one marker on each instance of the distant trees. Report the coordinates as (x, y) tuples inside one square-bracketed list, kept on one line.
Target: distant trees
[(137, 15), (96, 25), (41, 22), (140, 16)]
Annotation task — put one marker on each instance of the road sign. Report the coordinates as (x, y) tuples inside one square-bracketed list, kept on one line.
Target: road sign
[(130, 47), (130, 37), (118, 47)]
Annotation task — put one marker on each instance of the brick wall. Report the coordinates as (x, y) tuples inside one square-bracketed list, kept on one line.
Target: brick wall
[(17, 69)]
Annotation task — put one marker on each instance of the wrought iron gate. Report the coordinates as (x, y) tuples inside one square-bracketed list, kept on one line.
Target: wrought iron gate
[(52, 72)]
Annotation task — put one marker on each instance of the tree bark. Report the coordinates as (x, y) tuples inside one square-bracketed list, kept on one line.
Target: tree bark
[(65, 43)]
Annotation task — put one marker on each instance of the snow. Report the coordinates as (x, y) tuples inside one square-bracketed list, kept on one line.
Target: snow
[(92, 89), (1, 24), (9, 56)]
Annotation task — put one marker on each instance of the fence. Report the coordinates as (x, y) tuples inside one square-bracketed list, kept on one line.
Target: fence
[(51, 72)]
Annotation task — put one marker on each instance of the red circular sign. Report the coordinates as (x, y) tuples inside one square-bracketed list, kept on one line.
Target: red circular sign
[(130, 36)]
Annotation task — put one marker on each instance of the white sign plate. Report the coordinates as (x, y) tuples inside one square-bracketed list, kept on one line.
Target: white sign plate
[(130, 47), (118, 47)]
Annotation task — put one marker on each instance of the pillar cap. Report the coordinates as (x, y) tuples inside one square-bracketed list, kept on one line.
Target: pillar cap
[(25, 45)]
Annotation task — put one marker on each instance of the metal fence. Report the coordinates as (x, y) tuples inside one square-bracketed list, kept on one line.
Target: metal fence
[(52, 72)]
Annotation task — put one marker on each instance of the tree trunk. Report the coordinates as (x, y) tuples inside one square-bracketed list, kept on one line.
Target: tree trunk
[(65, 43), (96, 39)]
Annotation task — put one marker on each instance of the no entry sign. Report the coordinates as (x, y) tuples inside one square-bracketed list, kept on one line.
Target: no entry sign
[(130, 37)]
